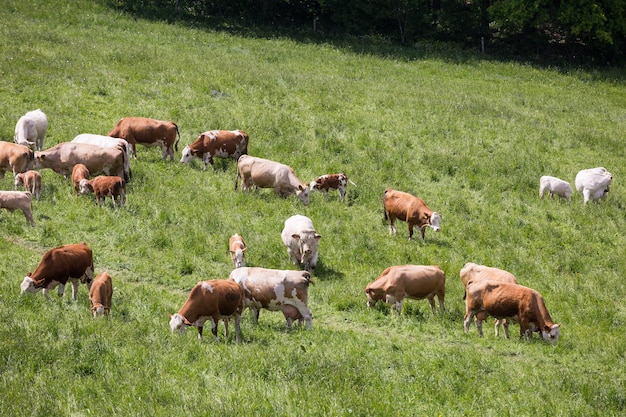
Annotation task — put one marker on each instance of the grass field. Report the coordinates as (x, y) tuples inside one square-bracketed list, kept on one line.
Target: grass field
[(468, 135)]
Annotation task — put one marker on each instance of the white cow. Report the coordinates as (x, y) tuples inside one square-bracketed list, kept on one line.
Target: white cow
[(31, 128), (554, 185), (302, 241), (593, 183), (106, 142)]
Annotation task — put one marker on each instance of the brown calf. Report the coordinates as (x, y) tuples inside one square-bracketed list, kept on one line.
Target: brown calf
[(31, 181), (103, 186), (100, 294)]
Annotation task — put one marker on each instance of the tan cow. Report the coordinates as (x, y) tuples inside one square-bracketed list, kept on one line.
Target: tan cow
[(237, 248), (149, 133), (18, 200), (31, 129), (410, 281), (31, 181), (264, 173), (215, 300), (16, 158), (220, 143), (107, 142), (104, 186), (475, 272), (276, 290), (73, 263), (302, 241), (100, 294), (411, 209), (328, 182), (79, 173), (62, 157), (505, 300)]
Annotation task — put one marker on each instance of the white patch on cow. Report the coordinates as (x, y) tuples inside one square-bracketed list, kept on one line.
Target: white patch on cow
[(553, 335), (435, 221), (222, 153), (207, 287), (28, 285), (186, 156), (177, 324)]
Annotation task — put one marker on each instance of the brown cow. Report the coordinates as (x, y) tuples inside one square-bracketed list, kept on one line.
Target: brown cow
[(79, 173), (17, 158), (475, 272), (215, 300), (31, 181), (328, 182), (73, 263), (62, 157), (100, 294), (264, 173), (273, 289), (148, 132), (237, 248), (18, 200), (221, 143), (103, 186), (411, 281), (505, 300), (413, 210)]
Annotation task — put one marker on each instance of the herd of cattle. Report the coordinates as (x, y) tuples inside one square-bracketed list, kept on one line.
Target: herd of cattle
[(488, 290)]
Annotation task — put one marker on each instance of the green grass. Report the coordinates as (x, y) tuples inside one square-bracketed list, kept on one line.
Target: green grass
[(469, 136)]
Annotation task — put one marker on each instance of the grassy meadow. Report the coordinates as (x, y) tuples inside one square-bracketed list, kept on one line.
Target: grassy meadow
[(469, 135)]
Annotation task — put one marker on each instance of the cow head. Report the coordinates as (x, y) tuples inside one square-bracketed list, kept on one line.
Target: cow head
[(178, 323), (28, 285), (551, 333), (303, 193), (238, 257), (85, 187), (435, 220), (187, 155), (372, 296), (19, 179), (308, 241)]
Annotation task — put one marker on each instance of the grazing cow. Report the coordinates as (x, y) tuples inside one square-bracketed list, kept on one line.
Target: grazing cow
[(237, 248), (73, 263), (79, 173), (302, 241), (31, 128), (62, 157), (327, 182), (506, 300), (276, 290), (554, 185), (31, 181), (16, 158), (107, 142), (413, 210), (264, 173), (104, 186), (215, 300), (18, 200), (100, 294), (411, 281), (221, 143), (148, 132), (593, 183), (474, 272)]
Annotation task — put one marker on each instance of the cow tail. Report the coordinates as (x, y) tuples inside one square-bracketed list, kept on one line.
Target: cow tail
[(176, 143), (127, 175)]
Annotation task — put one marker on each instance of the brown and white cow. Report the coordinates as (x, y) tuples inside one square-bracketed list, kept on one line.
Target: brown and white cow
[(100, 294), (14, 158), (31, 129), (410, 281), (474, 272), (18, 200), (302, 241), (31, 181), (213, 300), (149, 133), (79, 173), (328, 182), (264, 173), (506, 300), (411, 209), (62, 157), (276, 290), (220, 143), (104, 186), (237, 248), (73, 263)]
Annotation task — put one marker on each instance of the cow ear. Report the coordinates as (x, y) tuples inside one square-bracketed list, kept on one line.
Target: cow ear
[(296, 236), (244, 249), (318, 237), (169, 316)]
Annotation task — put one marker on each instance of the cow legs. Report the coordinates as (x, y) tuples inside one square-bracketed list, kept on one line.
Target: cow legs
[(442, 307), (75, 284), (238, 327), (469, 315), (214, 325), (29, 217)]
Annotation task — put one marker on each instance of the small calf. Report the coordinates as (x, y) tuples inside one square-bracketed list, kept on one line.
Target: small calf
[(79, 173), (31, 181), (103, 186), (327, 182), (237, 248), (556, 186), (100, 295), (18, 200)]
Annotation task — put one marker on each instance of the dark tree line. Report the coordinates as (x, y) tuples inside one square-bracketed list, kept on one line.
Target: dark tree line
[(575, 30)]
